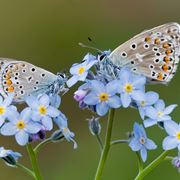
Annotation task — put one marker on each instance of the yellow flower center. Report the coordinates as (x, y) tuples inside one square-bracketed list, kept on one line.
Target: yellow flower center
[(178, 135), (128, 88), (81, 70), (142, 140), (143, 103), (20, 124), (42, 110), (103, 96), (2, 110), (160, 114)]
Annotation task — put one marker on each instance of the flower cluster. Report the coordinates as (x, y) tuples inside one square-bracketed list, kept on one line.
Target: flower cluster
[(32, 122), (36, 118), (107, 86)]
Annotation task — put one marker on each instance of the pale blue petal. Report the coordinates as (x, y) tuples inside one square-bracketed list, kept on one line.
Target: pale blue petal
[(97, 86), (142, 112), (33, 127), (160, 105), (169, 109), (137, 95), (83, 76), (26, 114), (151, 97), (8, 129), (149, 122), (55, 100), (47, 123), (139, 82), (44, 100), (32, 102), (2, 119), (73, 80), (136, 130), (22, 137), (102, 108), (53, 112), (125, 75), (112, 87), (150, 144), (135, 145), (142, 131), (61, 121), (151, 112), (164, 118), (114, 102), (75, 67), (125, 99), (91, 99), (170, 142), (13, 116), (171, 127), (8, 100), (143, 153), (36, 116)]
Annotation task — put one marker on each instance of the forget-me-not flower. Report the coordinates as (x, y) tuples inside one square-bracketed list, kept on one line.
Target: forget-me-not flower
[(21, 126), (131, 86), (61, 122), (145, 100), (173, 140), (140, 142), (9, 156), (5, 107), (80, 71), (103, 96), (42, 111), (158, 113)]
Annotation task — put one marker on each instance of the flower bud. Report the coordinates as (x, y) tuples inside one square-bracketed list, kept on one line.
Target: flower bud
[(94, 126), (176, 162), (57, 136), (79, 95)]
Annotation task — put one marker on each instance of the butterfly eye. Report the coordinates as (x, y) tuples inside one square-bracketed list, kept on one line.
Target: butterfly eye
[(102, 57)]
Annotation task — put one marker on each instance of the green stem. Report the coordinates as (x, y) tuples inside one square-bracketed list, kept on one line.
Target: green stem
[(99, 141), (152, 165), (107, 144), (140, 163), (34, 163), (41, 144), (119, 141), (25, 169)]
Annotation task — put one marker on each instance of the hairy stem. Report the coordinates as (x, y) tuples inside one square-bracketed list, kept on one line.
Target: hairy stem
[(34, 162), (25, 169), (152, 165), (107, 145)]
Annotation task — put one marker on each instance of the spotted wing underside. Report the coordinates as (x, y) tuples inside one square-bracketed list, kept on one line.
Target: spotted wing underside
[(23, 79), (154, 53)]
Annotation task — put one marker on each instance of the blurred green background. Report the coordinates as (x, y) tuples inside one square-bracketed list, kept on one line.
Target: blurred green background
[(46, 33)]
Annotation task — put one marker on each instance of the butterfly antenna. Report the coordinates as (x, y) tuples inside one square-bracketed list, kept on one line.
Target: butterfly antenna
[(90, 47)]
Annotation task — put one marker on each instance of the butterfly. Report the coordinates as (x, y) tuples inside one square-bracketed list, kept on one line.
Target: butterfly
[(23, 79), (154, 53)]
